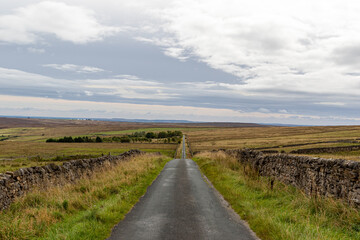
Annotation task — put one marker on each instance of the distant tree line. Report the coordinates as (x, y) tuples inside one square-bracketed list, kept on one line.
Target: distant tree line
[(152, 135), (168, 137)]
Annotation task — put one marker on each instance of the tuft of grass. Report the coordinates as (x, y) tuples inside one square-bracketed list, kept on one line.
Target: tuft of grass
[(85, 210), (65, 205), (275, 210)]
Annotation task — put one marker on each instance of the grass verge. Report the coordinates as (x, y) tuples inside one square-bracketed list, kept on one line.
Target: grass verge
[(85, 210), (282, 212)]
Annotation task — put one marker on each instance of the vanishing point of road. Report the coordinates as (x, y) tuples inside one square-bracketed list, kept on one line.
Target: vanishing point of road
[(180, 204)]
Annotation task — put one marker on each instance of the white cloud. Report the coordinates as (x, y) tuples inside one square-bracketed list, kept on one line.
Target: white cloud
[(276, 47), (76, 24), (126, 76), (168, 45), (34, 84), (130, 89), (88, 93), (337, 104), (176, 53), (74, 68), (283, 111)]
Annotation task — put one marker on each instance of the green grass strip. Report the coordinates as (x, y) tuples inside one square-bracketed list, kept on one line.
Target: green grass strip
[(97, 222), (283, 212), (88, 209)]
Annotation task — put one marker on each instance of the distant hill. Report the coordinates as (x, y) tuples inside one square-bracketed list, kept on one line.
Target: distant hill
[(141, 120), (287, 125), (22, 121), (226, 124)]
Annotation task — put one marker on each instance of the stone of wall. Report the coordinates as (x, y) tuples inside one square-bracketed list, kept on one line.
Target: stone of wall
[(188, 144), (304, 144), (15, 184), (270, 151), (334, 178), (326, 149)]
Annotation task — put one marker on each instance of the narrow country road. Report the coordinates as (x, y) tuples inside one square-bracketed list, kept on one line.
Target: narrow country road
[(181, 205)]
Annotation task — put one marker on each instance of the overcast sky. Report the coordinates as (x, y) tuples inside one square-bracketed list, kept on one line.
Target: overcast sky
[(279, 61)]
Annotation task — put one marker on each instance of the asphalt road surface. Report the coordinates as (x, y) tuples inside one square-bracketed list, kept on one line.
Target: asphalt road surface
[(180, 204)]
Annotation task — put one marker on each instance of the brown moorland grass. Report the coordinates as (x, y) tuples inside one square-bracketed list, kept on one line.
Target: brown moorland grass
[(348, 155), (42, 129), (31, 149), (28, 135), (27, 154), (232, 138), (22, 141), (24, 144)]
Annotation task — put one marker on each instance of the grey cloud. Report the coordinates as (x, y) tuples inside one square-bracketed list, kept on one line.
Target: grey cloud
[(348, 55), (305, 41), (233, 56), (297, 71), (356, 74), (36, 50), (206, 94), (263, 37)]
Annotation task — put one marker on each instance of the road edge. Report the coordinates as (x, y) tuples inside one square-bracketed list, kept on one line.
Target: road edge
[(227, 205)]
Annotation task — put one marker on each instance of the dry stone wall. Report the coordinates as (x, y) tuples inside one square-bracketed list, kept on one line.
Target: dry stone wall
[(304, 144), (334, 178), (15, 184), (326, 150)]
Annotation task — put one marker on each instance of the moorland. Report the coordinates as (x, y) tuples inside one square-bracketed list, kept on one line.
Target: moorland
[(23, 141), (93, 205)]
